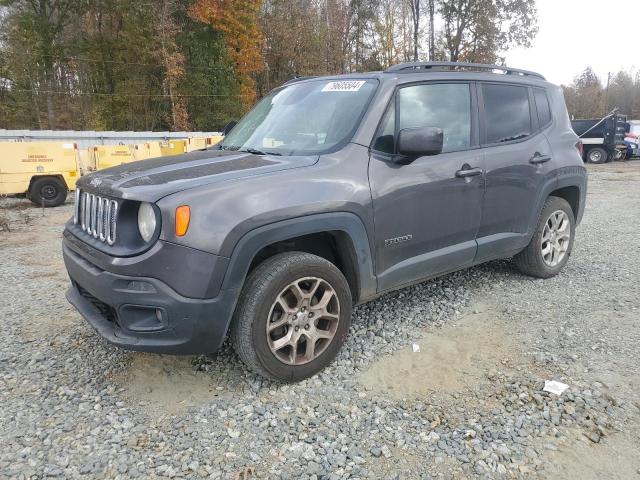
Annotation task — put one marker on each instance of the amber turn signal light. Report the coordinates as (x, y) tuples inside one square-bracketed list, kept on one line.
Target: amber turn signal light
[(183, 215)]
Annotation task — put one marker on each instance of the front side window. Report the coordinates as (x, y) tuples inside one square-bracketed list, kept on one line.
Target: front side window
[(311, 117), (447, 106), (507, 115), (386, 138)]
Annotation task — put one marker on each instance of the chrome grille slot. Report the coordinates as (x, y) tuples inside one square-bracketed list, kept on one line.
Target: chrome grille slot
[(94, 216), (97, 216)]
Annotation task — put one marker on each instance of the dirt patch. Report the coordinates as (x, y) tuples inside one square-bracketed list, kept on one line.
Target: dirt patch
[(166, 385), (452, 358), (616, 457), (16, 203)]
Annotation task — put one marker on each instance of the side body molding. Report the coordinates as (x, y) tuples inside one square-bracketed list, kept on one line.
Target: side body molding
[(253, 241)]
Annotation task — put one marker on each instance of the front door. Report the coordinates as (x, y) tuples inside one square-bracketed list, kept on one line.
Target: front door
[(427, 213)]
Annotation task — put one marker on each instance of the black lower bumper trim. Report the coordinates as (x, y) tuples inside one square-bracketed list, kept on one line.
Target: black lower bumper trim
[(104, 299)]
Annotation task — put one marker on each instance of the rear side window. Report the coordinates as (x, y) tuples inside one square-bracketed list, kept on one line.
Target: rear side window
[(507, 114), (447, 106), (542, 105)]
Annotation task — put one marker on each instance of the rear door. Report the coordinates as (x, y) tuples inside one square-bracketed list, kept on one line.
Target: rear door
[(517, 162), (427, 213)]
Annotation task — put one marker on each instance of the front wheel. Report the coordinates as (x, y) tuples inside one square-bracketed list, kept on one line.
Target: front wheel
[(293, 315), (552, 242), (597, 155)]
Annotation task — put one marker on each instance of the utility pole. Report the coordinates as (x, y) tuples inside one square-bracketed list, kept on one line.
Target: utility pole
[(606, 94)]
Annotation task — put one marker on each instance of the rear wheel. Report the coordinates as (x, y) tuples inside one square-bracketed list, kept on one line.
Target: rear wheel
[(552, 242), (597, 155), (292, 317), (48, 191)]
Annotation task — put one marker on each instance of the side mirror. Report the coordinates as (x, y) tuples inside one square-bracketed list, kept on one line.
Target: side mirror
[(228, 127), (418, 142)]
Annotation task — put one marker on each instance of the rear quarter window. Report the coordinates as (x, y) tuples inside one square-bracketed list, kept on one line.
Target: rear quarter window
[(542, 106)]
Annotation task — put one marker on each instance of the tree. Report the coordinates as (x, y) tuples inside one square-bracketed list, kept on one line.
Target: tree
[(478, 30), (174, 63), (414, 6), (432, 31), (37, 26), (622, 93), (585, 96), (238, 22), (180, 64)]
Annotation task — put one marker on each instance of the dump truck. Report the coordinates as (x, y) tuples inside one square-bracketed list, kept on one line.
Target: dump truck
[(43, 171), (602, 138)]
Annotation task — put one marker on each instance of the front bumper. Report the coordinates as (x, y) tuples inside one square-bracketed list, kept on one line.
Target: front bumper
[(145, 314)]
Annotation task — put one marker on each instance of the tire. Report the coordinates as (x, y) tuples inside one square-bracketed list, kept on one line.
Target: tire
[(257, 308), (597, 155), (48, 191), (532, 260)]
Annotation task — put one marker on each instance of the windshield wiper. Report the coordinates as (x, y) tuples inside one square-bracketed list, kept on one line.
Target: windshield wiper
[(255, 151)]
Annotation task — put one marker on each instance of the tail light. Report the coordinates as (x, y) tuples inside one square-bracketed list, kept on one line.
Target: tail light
[(580, 148)]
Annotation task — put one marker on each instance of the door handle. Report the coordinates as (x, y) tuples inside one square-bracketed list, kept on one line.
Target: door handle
[(539, 158), (467, 171)]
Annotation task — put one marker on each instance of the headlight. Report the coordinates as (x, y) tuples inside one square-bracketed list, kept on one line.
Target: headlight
[(146, 221)]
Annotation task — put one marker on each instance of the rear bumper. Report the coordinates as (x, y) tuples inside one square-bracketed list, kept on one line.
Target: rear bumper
[(145, 314)]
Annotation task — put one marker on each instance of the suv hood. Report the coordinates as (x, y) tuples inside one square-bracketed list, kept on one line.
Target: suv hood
[(150, 180)]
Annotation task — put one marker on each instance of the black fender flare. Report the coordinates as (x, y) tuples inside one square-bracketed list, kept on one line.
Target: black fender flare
[(550, 183), (575, 176), (255, 240)]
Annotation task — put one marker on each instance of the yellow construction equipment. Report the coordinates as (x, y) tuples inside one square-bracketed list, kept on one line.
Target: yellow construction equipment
[(106, 156), (44, 171), (144, 151), (196, 143), (85, 161), (173, 147), (214, 140)]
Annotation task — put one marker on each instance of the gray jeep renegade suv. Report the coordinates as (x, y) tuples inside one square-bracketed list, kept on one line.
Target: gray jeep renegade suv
[(330, 192)]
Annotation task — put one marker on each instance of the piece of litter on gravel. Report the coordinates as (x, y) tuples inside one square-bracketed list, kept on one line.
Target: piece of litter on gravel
[(552, 386), (416, 348)]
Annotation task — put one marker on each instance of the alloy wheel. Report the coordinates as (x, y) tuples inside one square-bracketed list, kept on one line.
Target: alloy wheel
[(303, 320), (555, 238)]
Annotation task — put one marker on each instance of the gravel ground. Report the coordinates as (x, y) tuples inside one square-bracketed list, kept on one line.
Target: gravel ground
[(469, 403)]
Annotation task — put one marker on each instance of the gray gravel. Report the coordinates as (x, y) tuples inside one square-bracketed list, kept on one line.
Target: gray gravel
[(74, 406)]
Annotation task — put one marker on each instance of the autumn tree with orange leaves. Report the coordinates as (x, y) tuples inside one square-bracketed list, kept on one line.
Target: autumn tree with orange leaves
[(238, 22)]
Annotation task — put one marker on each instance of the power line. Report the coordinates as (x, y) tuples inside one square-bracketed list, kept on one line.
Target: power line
[(118, 94), (115, 62)]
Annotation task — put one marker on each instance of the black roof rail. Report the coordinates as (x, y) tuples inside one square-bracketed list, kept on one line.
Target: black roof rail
[(412, 67)]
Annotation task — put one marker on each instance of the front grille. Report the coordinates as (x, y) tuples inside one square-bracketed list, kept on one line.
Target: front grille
[(96, 215), (107, 311)]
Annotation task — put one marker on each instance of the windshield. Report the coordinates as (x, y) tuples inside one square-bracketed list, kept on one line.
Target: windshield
[(303, 118)]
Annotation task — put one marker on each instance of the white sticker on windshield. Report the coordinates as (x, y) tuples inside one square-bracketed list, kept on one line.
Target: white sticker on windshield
[(343, 86)]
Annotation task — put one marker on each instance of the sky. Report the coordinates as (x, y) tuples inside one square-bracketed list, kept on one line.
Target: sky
[(574, 34)]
